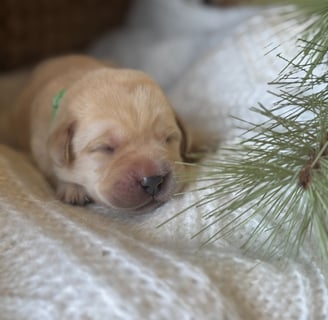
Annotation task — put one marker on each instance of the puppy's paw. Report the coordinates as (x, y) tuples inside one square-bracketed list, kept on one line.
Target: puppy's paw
[(72, 193)]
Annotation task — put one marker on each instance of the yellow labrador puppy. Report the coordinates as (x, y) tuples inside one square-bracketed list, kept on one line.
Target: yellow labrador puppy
[(101, 134)]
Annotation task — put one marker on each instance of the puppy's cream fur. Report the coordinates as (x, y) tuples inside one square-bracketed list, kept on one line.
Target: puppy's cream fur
[(113, 128)]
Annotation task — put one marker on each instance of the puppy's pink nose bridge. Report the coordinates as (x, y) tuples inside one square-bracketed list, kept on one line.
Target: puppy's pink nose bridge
[(152, 184)]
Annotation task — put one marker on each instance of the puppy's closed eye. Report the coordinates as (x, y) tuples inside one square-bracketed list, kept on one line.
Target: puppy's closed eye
[(104, 148)]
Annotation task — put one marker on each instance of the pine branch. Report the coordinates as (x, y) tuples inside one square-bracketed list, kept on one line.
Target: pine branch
[(279, 175)]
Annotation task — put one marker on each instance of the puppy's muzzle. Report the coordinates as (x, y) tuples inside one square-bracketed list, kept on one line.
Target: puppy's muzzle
[(152, 185), (138, 186)]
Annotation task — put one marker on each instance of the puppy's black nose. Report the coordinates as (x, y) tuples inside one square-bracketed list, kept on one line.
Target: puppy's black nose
[(152, 184)]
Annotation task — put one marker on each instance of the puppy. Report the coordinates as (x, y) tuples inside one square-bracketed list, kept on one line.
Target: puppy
[(101, 134)]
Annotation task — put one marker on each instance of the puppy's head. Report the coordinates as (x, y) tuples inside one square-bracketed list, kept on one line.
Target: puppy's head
[(117, 136)]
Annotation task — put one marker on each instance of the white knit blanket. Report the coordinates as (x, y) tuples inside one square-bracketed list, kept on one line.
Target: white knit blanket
[(63, 262)]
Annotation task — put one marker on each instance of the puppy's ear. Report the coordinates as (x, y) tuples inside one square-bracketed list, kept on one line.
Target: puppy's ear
[(60, 144), (186, 140), (196, 144)]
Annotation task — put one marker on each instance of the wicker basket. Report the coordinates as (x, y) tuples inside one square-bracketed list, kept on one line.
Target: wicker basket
[(34, 29)]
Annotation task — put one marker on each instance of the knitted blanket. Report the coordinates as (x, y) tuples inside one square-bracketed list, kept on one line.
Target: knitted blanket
[(64, 262)]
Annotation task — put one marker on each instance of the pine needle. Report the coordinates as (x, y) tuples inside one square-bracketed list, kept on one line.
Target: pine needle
[(279, 174)]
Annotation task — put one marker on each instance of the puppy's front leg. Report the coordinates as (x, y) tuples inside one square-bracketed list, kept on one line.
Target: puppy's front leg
[(72, 193)]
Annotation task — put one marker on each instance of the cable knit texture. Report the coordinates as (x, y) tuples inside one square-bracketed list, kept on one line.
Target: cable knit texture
[(63, 262)]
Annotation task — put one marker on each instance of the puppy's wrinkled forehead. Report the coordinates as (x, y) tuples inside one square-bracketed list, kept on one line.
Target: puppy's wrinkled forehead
[(121, 98), (128, 95)]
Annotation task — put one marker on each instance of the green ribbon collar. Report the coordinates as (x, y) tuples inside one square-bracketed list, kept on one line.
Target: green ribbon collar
[(56, 102)]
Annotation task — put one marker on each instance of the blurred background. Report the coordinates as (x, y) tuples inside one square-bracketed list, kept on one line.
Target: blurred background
[(35, 29)]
